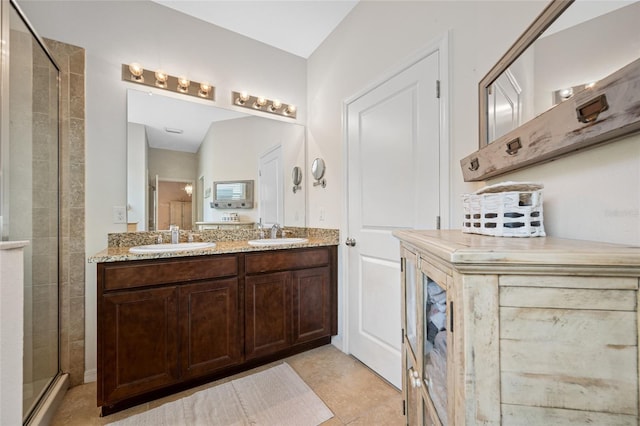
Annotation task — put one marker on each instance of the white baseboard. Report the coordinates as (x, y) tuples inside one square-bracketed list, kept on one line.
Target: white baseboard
[(91, 375), (337, 342)]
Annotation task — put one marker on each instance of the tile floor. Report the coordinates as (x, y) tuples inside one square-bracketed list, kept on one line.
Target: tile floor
[(354, 394)]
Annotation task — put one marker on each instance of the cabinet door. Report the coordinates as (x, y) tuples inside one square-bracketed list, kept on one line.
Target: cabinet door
[(267, 313), (436, 342), (311, 304), (209, 330), (139, 332), (411, 308)]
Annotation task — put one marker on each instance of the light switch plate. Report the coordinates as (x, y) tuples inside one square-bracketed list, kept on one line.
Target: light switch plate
[(119, 214)]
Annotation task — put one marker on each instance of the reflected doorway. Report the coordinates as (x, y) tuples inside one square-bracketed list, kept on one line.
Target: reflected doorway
[(173, 204)]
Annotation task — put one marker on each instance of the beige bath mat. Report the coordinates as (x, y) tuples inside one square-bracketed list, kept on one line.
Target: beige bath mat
[(277, 396)]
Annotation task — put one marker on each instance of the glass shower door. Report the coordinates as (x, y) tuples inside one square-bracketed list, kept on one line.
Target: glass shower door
[(30, 202)]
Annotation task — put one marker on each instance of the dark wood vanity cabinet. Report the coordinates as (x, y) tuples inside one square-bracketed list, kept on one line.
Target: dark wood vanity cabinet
[(288, 299), (167, 324)]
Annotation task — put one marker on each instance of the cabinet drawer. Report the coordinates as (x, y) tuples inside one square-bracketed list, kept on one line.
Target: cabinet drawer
[(134, 274), (280, 260)]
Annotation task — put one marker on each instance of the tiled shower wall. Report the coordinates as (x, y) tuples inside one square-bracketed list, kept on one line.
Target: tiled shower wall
[(71, 60)]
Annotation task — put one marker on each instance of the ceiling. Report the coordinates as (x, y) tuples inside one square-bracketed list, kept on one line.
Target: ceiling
[(295, 26)]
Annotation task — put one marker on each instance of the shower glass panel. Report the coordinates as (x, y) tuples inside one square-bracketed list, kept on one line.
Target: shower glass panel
[(30, 200)]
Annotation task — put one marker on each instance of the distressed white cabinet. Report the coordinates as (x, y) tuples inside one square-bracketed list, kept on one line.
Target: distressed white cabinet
[(538, 331)]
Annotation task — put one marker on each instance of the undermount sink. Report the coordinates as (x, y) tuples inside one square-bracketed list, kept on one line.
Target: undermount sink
[(277, 241), (163, 248)]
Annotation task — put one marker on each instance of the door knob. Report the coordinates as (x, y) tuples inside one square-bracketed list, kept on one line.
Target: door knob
[(350, 242)]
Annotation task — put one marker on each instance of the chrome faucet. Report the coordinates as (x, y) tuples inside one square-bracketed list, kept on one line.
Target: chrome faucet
[(274, 230), (261, 229), (175, 234)]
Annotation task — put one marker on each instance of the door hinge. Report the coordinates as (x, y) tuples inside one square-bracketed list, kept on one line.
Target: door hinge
[(402, 336), (438, 89), (437, 222), (402, 260), (404, 408), (451, 316)]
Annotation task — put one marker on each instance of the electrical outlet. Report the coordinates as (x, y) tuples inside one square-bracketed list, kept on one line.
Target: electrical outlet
[(322, 214), (119, 214)]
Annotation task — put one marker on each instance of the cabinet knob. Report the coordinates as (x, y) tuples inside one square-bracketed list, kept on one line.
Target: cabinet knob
[(351, 242)]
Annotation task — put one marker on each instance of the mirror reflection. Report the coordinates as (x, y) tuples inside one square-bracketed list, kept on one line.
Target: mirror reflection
[(176, 150), (589, 41)]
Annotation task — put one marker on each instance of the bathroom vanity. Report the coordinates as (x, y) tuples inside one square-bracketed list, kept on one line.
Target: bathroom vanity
[(169, 323), (504, 331)]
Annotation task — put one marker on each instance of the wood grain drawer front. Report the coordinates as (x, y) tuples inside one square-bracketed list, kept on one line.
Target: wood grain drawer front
[(124, 275), (282, 260)]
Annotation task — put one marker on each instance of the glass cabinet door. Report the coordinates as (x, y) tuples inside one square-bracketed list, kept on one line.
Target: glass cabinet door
[(434, 338), (411, 304)]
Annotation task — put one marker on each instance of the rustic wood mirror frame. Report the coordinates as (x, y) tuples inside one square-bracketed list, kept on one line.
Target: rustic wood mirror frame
[(603, 113)]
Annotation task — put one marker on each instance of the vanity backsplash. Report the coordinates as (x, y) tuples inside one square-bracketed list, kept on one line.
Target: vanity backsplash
[(130, 239)]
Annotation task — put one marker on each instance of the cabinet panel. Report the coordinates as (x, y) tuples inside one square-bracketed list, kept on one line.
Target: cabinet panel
[(281, 260), (140, 342), (209, 318), (267, 313), (135, 274), (311, 300)]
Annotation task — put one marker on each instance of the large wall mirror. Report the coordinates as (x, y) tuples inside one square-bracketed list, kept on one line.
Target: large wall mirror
[(177, 148), (569, 46)]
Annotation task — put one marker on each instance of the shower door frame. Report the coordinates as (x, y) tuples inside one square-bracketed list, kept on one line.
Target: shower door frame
[(6, 6)]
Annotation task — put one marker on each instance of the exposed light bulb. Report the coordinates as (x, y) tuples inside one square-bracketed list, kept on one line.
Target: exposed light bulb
[(183, 84), (136, 71), (243, 97), (205, 89), (275, 105), (260, 102), (290, 110), (590, 85), (566, 93), (161, 78)]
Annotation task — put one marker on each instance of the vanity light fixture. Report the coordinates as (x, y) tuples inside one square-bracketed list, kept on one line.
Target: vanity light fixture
[(290, 110), (242, 98), (260, 103), (183, 84), (161, 79), (135, 73), (275, 105), (205, 88)]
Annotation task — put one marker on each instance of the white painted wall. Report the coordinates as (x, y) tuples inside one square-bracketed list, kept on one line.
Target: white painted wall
[(117, 32)]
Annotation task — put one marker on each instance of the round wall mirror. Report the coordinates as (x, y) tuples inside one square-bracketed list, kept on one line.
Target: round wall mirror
[(317, 168), (296, 175)]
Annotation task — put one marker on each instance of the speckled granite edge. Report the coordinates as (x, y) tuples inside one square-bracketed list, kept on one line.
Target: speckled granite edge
[(227, 241), (131, 239)]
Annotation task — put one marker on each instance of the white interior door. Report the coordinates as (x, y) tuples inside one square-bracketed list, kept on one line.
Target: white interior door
[(393, 182), (271, 193)]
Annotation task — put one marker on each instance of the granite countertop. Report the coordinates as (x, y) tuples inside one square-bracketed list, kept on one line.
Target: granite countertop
[(119, 244)]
